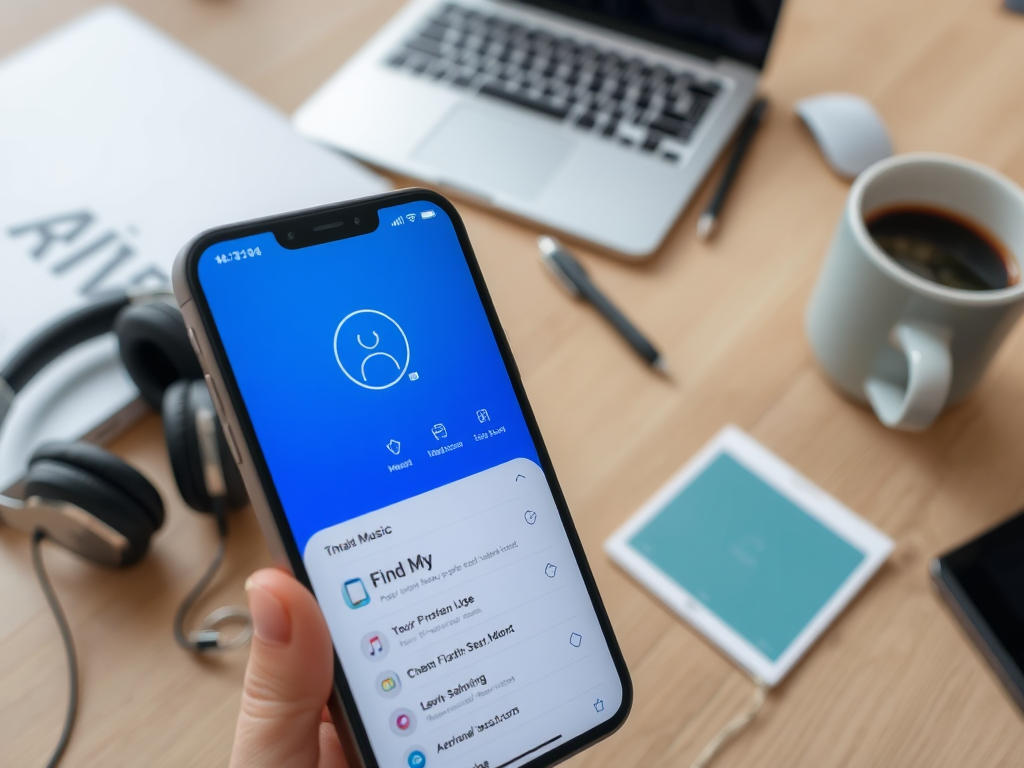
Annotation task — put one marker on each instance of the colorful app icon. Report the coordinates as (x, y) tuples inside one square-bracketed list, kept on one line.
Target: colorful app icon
[(374, 646), (402, 722), (389, 684), (355, 594), (415, 758)]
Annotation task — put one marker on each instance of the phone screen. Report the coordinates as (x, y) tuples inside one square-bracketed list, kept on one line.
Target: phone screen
[(414, 491)]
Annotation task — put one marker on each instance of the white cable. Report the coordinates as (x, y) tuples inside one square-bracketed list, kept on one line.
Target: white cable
[(733, 727)]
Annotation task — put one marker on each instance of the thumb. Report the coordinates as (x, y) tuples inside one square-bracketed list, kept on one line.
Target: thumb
[(288, 678)]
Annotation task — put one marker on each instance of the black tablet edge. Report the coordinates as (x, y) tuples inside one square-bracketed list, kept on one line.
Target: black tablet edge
[(978, 629)]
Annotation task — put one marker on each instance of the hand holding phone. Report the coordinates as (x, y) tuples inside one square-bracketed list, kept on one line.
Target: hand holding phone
[(372, 402)]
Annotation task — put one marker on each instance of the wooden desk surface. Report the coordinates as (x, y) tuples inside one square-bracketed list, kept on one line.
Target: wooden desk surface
[(893, 682)]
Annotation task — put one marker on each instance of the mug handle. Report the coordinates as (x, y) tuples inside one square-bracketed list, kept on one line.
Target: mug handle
[(929, 373)]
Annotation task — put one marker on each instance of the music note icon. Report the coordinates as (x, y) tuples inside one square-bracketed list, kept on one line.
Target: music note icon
[(375, 646)]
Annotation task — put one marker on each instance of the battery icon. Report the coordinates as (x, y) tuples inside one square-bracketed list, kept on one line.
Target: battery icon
[(427, 215)]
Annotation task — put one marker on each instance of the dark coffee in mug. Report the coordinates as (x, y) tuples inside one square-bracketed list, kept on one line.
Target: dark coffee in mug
[(943, 247)]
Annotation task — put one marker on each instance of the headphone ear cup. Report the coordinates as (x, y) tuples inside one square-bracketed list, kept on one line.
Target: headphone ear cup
[(181, 402), (183, 446), (110, 469), (155, 348), (52, 476)]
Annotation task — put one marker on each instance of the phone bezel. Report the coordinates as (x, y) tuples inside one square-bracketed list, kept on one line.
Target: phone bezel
[(190, 257)]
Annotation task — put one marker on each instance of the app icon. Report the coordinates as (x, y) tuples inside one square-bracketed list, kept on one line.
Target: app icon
[(394, 446), (416, 758), (355, 594), (402, 722), (371, 348), (482, 415), (599, 705), (389, 684), (575, 639), (439, 432), (530, 517), (374, 646), (550, 571)]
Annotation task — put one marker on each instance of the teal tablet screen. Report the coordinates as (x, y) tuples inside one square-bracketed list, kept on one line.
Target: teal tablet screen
[(748, 553)]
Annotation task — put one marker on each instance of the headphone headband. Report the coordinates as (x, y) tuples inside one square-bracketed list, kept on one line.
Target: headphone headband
[(90, 321), (71, 330)]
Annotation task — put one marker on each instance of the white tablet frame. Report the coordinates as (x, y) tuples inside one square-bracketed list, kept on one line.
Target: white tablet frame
[(813, 501)]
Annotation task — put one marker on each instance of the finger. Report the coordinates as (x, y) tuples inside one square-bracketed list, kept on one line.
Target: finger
[(331, 754), (288, 678)]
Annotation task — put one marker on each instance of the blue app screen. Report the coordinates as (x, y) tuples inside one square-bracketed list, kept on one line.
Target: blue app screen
[(367, 365), (411, 485)]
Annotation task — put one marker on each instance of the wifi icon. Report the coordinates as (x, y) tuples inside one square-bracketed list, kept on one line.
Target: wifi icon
[(410, 217), (398, 222)]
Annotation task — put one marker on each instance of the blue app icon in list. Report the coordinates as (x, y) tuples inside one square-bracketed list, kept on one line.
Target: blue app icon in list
[(355, 593), (417, 759)]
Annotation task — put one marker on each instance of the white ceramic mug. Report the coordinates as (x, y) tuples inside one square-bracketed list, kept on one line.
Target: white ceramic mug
[(883, 334)]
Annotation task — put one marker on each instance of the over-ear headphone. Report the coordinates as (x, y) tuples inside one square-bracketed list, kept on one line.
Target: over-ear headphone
[(88, 500)]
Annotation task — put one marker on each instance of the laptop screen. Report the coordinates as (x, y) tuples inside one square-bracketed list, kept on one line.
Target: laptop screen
[(738, 29)]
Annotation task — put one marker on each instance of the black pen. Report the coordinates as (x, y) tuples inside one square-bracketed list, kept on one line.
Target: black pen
[(707, 221), (575, 279)]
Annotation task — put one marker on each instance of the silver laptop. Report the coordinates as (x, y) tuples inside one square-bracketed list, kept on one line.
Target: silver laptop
[(597, 119)]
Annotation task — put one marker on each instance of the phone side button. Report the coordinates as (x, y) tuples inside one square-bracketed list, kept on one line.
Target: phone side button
[(232, 446), (195, 348), (217, 402)]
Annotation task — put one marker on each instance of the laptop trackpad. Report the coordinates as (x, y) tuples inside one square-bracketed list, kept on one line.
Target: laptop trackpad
[(493, 152)]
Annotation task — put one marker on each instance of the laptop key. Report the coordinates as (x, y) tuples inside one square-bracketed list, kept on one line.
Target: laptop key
[(525, 100), (708, 89), (425, 45), (434, 32), (667, 124)]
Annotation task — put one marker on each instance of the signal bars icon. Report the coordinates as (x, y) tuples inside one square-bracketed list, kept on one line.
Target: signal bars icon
[(410, 217)]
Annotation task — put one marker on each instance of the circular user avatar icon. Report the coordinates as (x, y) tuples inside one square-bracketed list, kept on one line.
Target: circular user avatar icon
[(371, 349), (402, 722), (374, 646), (416, 758), (389, 684)]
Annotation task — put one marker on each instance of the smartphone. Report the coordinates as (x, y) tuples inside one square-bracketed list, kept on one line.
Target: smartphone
[(982, 581), (370, 398)]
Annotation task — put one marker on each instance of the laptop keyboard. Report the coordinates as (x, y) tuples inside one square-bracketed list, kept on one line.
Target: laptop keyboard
[(624, 99)]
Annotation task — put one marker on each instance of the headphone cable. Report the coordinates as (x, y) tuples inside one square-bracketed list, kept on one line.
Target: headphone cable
[(69, 648), (208, 638)]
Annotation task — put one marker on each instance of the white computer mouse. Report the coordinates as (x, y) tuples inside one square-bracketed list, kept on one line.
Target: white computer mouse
[(849, 131)]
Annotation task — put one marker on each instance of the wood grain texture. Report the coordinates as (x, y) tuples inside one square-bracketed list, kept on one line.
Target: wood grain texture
[(892, 683)]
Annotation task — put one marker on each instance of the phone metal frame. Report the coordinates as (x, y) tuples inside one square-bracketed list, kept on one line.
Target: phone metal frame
[(263, 495)]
